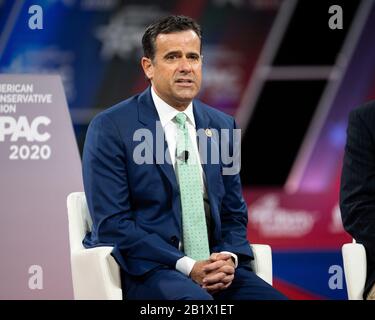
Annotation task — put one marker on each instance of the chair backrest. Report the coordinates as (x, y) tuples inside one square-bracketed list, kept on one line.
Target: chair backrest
[(79, 220), (355, 268), (262, 263)]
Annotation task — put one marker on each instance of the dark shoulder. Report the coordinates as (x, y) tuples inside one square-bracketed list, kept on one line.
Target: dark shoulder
[(217, 117), (365, 112), (362, 118)]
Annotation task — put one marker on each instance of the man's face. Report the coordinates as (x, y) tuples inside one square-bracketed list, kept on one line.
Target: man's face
[(176, 70)]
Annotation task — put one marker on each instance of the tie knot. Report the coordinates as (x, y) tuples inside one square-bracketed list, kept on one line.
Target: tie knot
[(181, 119)]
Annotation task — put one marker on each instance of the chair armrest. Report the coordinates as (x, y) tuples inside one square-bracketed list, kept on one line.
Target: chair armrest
[(96, 274), (262, 263), (355, 268)]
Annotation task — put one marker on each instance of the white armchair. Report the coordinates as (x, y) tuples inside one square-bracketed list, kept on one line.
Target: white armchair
[(96, 274), (355, 269)]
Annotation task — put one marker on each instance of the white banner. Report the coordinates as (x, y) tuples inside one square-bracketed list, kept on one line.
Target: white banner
[(39, 167)]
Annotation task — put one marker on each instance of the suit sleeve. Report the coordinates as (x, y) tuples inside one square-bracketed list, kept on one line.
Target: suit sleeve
[(357, 194), (108, 197), (234, 214)]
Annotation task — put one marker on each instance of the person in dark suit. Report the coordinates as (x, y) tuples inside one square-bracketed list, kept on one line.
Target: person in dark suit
[(357, 195), (177, 224)]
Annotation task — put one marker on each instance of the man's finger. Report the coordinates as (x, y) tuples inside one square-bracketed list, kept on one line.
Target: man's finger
[(213, 256), (214, 287), (217, 277), (227, 279), (214, 265), (227, 269), (219, 256), (227, 285)]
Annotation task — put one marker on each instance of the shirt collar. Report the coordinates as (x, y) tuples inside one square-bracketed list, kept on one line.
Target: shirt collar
[(167, 112)]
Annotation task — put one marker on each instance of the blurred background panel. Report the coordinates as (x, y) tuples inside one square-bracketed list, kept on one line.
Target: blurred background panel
[(275, 65)]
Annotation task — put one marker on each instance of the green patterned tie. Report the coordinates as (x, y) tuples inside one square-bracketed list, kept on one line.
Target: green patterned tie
[(195, 237)]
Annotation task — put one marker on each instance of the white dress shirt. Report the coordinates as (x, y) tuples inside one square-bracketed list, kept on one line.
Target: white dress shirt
[(166, 114)]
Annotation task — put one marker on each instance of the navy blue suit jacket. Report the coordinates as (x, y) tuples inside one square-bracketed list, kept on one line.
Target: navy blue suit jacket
[(136, 208)]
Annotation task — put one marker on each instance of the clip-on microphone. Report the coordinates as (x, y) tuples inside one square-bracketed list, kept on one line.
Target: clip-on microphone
[(184, 156)]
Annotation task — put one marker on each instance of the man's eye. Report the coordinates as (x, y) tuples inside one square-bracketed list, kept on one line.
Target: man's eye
[(194, 58), (172, 57)]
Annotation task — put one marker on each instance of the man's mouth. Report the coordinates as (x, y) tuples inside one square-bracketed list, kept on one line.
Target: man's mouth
[(185, 83)]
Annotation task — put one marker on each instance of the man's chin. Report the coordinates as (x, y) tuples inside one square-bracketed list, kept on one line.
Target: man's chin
[(185, 101), (186, 96)]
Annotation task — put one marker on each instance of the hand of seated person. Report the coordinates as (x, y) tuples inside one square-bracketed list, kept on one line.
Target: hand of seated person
[(214, 274)]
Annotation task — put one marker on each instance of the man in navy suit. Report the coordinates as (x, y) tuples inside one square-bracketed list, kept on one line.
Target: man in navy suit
[(357, 197), (136, 206)]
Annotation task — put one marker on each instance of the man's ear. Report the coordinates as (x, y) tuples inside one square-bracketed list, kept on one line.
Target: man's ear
[(148, 68)]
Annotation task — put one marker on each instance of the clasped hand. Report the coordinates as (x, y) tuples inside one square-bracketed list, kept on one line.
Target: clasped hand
[(214, 274)]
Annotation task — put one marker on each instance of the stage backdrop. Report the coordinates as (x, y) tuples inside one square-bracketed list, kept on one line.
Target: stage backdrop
[(39, 166), (275, 65)]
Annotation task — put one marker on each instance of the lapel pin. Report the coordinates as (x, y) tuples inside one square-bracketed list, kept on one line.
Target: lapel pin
[(208, 132)]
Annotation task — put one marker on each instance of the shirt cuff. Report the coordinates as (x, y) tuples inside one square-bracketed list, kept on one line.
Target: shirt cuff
[(185, 265), (234, 256)]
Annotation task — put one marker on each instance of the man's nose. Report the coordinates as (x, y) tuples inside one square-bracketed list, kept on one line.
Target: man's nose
[(184, 65)]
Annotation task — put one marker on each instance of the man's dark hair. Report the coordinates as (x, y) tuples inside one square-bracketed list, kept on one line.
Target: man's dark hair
[(168, 24)]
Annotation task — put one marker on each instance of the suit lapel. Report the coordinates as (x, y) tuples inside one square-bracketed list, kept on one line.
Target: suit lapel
[(202, 122), (148, 115), (210, 166)]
